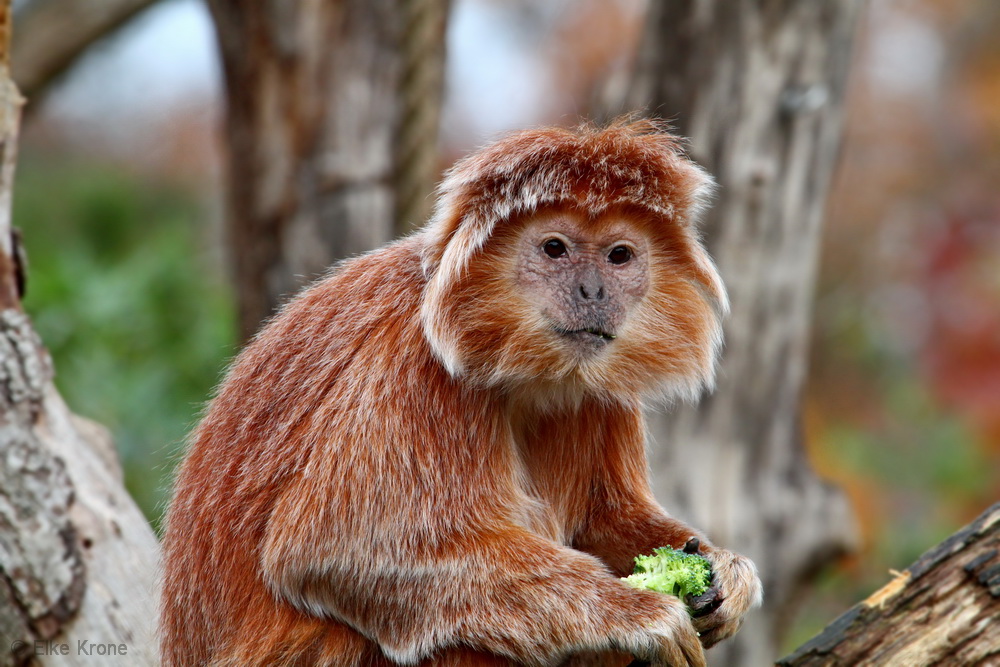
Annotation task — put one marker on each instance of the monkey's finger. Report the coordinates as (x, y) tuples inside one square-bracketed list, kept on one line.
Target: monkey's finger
[(692, 545), (712, 637), (706, 603), (708, 624), (720, 632)]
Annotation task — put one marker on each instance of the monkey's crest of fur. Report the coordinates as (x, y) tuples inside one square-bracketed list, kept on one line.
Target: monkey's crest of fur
[(668, 349)]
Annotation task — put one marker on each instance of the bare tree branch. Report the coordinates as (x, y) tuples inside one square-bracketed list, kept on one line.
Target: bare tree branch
[(52, 34), (942, 610)]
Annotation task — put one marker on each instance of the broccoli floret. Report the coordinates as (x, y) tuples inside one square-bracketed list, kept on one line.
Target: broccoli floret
[(673, 572)]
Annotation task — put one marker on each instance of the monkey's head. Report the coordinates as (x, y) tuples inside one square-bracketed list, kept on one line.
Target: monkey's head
[(567, 263)]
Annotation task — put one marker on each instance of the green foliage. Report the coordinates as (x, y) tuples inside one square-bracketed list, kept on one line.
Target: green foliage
[(125, 296), (673, 572)]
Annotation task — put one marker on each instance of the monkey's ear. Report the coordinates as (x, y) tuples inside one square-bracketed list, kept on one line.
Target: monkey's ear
[(453, 230), (480, 190), (697, 189)]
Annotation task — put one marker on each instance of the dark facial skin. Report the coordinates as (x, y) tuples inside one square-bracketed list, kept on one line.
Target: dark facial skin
[(585, 276)]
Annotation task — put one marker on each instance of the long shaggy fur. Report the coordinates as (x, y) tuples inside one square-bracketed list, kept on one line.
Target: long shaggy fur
[(401, 468)]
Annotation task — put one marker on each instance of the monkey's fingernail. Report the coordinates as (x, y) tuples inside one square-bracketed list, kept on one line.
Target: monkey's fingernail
[(691, 546)]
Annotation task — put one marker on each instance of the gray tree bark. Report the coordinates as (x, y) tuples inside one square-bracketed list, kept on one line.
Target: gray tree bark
[(52, 34), (758, 88), (332, 113), (942, 610), (77, 557)]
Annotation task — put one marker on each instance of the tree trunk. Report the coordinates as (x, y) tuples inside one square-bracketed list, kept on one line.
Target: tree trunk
[(758, 87), (942, 610), (77, 558), (324, 100)]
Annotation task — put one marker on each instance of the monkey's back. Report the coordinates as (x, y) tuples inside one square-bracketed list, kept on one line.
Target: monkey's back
[(253, 439)]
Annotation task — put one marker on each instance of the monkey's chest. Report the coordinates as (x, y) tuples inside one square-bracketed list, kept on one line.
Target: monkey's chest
[(551, 508), (554, 465)]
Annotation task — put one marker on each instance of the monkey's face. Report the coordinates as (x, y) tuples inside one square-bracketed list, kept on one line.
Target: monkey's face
[(583, 277), (563, 263), (564, 304)]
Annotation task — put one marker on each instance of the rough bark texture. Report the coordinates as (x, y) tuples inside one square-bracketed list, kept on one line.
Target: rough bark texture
[(51, 35), (942, 610), (758, 87), (315, 112), (77, 557)]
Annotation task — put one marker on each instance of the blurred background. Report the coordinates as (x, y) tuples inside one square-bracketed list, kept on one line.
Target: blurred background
[(118, 197)]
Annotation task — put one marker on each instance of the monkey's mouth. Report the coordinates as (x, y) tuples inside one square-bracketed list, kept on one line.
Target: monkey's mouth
[(588, 332)]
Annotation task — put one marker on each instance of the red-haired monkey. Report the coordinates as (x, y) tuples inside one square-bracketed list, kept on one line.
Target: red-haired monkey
[(435, 455)]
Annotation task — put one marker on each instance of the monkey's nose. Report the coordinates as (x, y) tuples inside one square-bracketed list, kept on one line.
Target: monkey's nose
[(590, 292), (591, 286)]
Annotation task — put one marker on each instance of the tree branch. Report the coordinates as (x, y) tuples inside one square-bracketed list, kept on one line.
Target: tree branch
[(943, 609), (52, 34)]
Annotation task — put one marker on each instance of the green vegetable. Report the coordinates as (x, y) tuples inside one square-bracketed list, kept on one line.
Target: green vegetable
[(671, 571)]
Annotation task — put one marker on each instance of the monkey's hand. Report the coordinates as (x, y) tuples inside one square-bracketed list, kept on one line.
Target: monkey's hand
[(735, 590), (664, 635)]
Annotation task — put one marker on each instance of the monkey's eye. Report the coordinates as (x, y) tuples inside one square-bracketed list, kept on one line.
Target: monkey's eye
[(554, 248), (619, 255)]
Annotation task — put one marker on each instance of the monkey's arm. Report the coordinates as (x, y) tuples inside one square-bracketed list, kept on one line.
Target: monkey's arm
[(621, 528), (620, 532), (499, 589), (625, 521)]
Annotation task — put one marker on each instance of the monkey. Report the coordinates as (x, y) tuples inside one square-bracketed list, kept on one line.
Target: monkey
[(435, 454)]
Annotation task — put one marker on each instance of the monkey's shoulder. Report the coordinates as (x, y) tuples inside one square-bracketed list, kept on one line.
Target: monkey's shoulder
[(389, 279), (361, 319), (379, 290)]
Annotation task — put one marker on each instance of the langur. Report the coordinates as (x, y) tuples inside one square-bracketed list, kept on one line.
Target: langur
[(435, 455)]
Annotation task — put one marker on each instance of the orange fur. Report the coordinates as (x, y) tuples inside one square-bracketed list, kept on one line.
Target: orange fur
[(400, 470)]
